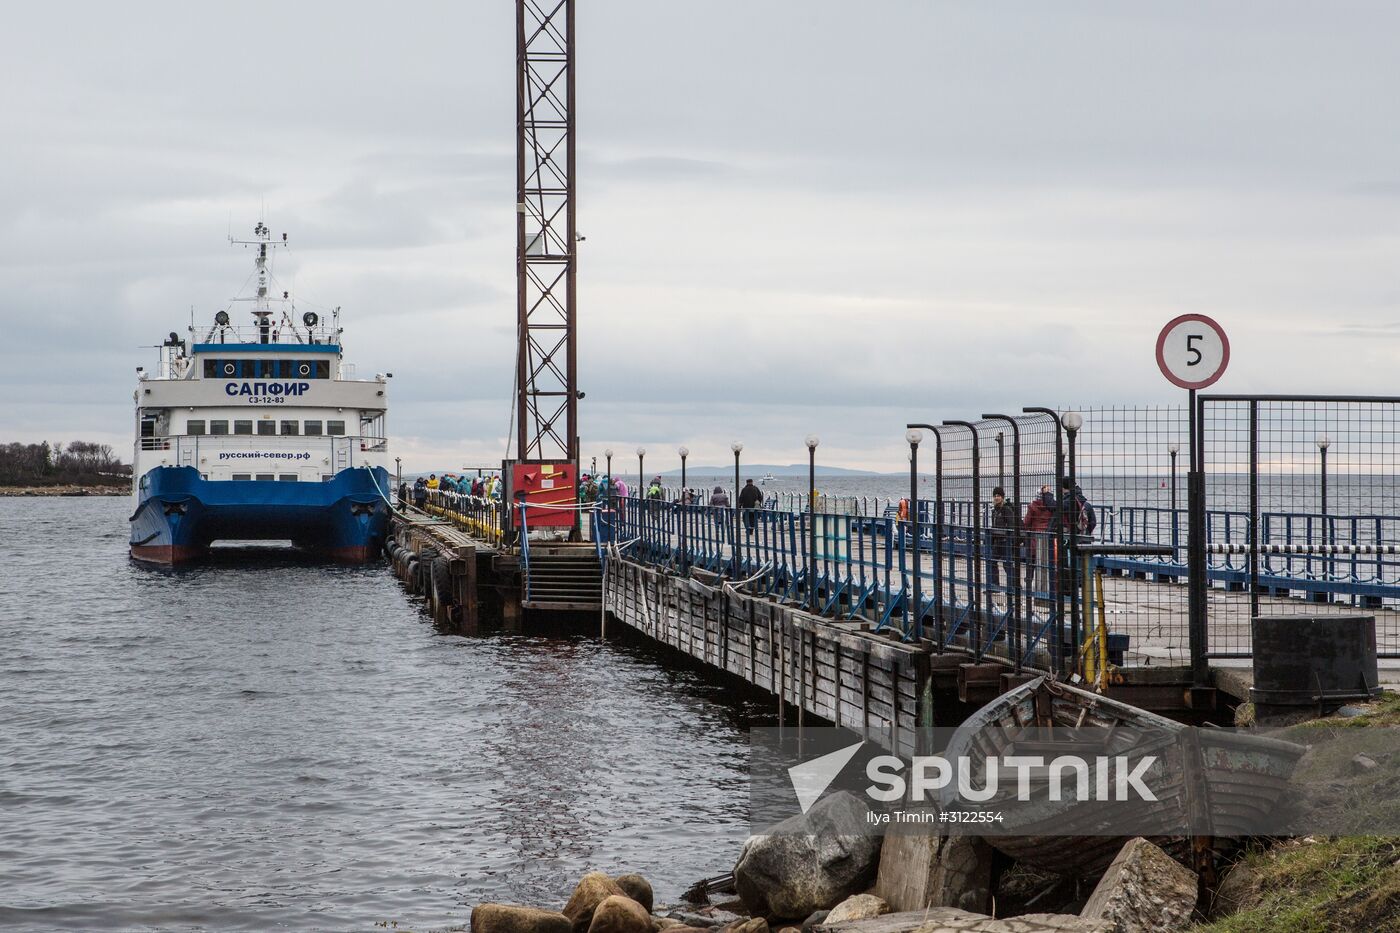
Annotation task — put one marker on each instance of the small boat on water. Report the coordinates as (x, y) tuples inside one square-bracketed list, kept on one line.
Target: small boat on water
[(1222, 783), (259, 432), (766, 479)]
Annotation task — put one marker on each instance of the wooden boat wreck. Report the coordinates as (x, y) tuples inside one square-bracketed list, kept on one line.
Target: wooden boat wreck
[(1218, 783)]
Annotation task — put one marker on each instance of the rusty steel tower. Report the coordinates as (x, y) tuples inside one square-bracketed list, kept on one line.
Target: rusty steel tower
[(547, 361)]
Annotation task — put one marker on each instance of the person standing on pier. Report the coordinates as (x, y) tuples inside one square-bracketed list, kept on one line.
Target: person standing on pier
[(1037, 535), (420, 492), (1001, 540), (750, 498)]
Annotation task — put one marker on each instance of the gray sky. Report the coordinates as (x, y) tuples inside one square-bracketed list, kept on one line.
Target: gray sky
[(801, 216)]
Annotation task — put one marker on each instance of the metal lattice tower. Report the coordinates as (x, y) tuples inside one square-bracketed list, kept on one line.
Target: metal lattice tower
[(546, 368)]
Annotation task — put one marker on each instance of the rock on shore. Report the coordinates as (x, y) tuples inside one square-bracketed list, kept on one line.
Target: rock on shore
[(620, 914), (591, 890), (810, 862), (509, 918)]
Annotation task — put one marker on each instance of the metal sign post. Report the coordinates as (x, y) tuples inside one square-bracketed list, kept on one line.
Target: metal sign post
[(1192, 352)]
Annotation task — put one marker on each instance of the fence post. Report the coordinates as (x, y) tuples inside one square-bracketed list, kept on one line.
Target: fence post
[(975, 545)]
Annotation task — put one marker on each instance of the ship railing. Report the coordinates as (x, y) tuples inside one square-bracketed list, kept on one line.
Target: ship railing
[(279, 333)]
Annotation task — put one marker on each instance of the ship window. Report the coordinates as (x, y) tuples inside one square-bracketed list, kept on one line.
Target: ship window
[(194, 427), (312, 428), (266, 478), (325, 477), (242, 476), (287, 478), (218, 427), (289, 427), (267, 427), (243, 427), (336, 428)]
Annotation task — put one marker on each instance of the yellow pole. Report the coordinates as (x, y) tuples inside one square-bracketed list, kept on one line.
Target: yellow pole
[(1102, 632), (1086, 600)]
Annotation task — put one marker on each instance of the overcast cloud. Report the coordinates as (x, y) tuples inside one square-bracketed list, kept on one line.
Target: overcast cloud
[(800, 216)]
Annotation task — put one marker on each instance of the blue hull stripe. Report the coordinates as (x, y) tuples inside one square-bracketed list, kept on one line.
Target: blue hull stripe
[(183, 512)]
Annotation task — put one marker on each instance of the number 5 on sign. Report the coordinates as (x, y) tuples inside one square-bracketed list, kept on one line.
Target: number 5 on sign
[(1193, 351)]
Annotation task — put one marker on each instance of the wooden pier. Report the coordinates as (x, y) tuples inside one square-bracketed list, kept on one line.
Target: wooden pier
[(846, 670)]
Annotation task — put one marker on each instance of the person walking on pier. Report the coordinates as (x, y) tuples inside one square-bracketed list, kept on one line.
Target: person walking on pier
[(719, 498), (1001, 540), (750, 498), (654, 491)]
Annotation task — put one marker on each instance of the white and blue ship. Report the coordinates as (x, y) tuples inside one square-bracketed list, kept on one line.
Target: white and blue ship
[(259, 432)]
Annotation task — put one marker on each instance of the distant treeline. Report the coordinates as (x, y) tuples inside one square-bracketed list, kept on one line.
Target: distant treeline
[(46, 464)]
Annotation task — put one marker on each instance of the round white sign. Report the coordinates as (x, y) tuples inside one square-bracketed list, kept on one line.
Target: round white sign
[(1193, 351)]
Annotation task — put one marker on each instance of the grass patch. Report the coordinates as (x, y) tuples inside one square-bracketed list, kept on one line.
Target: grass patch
[(1384, 710), (1323, 886)]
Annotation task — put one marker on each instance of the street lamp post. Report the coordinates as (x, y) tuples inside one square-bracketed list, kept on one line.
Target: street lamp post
[(812, 442), (681, 513), (608, 454), (914, 437), (1323, 442), (641, 474), (737, 447), (1072, 422), (1172, 450)]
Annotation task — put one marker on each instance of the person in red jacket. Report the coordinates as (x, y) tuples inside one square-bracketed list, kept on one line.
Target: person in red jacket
[(1036, 528)]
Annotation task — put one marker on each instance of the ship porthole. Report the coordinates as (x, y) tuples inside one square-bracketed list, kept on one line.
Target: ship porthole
[(304, 369), (229, 369)]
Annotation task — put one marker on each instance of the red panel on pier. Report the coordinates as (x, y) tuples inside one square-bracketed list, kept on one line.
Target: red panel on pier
[(546, 484)]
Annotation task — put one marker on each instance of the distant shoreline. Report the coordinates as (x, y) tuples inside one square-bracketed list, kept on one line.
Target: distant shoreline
[(74, 490)]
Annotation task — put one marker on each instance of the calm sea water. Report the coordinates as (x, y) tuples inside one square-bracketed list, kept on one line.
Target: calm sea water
[(270, 744)]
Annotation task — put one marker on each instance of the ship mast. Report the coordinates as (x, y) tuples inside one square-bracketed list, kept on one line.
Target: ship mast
[(262, 303)]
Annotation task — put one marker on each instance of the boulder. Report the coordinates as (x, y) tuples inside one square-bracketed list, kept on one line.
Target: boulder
[(857, 907), (704, 917), (637, 888), (620, 914), (748, 925), (593, 888), (666, 923), (953, 920), (809, 862), (508, 918), (1144, 889), (918, 871), (814, 918)]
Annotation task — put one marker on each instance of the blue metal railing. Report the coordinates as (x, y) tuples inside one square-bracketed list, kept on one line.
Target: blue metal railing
[(864, 564)]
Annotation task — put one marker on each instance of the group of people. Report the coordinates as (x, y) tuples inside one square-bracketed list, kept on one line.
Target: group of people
[(482, 487), (598, 489), (1045, 517)]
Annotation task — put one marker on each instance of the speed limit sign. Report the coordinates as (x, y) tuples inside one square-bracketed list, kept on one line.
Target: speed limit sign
[(1193, 351)]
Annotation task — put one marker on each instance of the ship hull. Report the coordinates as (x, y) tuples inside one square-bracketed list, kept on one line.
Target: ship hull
[(180, 514)]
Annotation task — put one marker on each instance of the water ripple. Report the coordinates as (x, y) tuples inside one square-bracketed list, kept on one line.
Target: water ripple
[(265, 742)]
